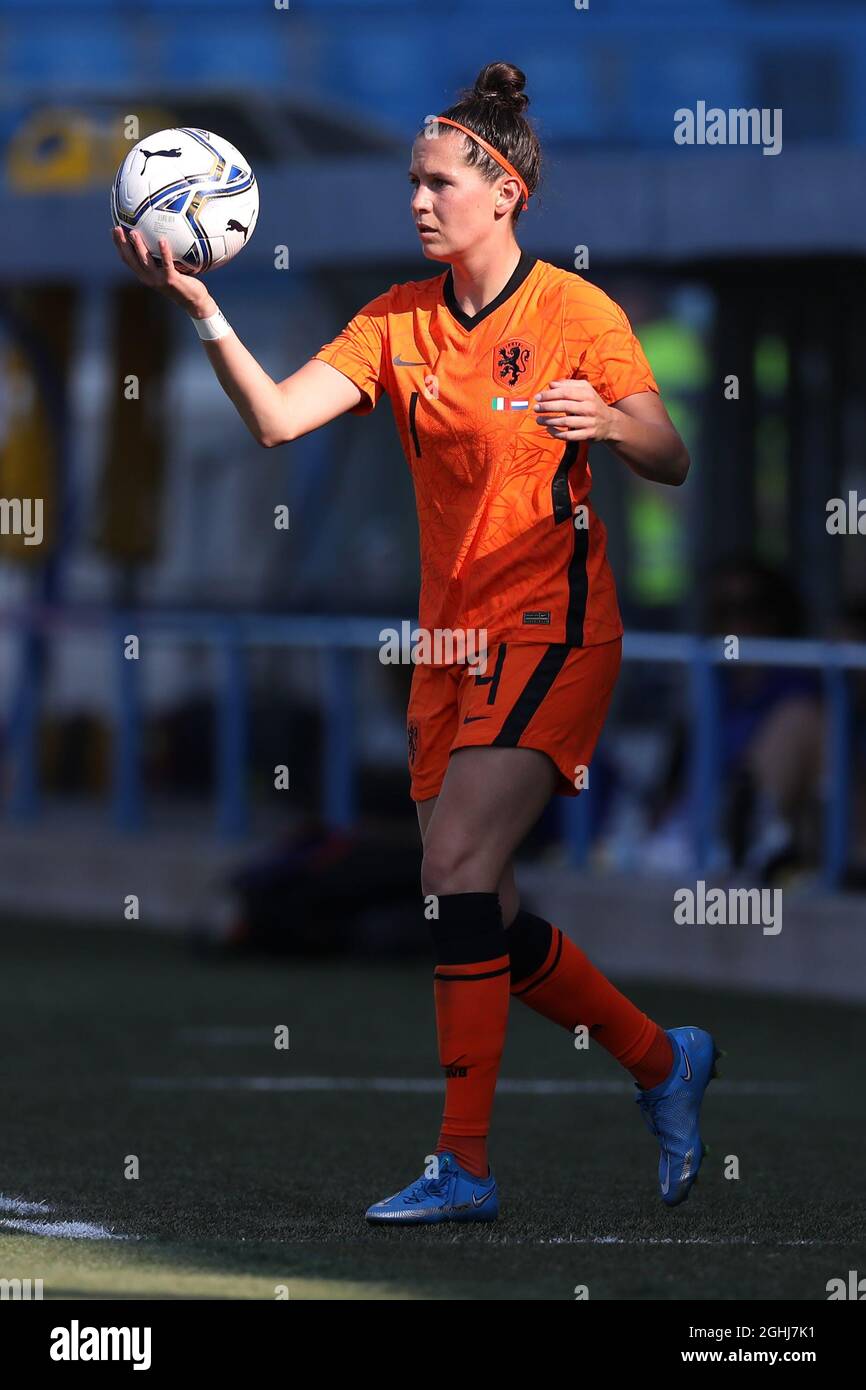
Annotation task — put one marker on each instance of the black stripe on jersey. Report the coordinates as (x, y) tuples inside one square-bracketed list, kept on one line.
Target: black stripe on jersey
[(413, 406), (523, 268), (532, 694), (576, 576), (578, 588), (559, 494)]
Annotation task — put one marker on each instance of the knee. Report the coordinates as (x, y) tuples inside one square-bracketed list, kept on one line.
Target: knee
[(453, 866)]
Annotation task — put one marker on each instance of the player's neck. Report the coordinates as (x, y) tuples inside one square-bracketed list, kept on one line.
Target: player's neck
[(479, 277)]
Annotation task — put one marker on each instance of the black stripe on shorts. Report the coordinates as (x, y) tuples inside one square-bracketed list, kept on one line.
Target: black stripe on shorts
[(532, 694)]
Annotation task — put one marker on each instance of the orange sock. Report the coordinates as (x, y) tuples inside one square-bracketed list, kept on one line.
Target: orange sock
[(556, 978), (471, 987)]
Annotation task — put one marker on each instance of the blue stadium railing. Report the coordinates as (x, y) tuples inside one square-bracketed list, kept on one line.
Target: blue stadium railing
[(339, 640)]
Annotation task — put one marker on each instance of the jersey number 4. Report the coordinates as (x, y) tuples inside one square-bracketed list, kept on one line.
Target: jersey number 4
[(493, 679)]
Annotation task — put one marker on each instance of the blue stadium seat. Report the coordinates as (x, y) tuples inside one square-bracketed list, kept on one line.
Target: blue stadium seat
[(230, 50), (74, 55)]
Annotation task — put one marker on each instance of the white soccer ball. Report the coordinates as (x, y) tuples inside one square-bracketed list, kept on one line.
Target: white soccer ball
[(192, 187)]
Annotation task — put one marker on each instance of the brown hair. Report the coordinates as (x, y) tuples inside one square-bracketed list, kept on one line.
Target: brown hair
[(494, 108)]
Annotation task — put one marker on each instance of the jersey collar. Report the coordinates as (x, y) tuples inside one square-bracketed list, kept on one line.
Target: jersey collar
[(523, 268)]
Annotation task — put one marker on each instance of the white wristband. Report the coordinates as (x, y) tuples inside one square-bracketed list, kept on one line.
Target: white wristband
[(217, 326)]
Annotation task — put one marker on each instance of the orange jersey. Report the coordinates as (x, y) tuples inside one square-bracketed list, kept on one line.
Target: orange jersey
[(509, 542)]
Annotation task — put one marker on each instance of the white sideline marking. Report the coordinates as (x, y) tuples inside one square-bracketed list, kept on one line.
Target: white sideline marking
[(68, 1230), (425, 1085), (15, 1210), (16, 1206)]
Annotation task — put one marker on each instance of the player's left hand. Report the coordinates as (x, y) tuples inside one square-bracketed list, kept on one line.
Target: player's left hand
[(573, 410)]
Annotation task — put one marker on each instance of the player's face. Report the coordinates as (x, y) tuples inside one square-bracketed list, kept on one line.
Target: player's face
[(451, 202)]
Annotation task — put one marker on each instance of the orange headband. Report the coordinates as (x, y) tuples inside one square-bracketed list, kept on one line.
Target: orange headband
[(494, 154)]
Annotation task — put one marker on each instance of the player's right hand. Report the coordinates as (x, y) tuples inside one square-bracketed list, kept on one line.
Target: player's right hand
[(179, 286)]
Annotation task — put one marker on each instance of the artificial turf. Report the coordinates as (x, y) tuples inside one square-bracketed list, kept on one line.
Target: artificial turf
[(258, 1193)]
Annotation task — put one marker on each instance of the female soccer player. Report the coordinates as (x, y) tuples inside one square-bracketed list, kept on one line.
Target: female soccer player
[(500, 371)]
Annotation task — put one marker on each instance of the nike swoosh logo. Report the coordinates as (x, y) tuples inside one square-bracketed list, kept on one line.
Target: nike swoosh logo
[(472, 718), (667, 1182), (688, 1075), (475, 1201), (398, 362)]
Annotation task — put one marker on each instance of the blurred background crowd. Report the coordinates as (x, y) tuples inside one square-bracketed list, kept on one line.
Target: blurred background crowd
[(733, 265)]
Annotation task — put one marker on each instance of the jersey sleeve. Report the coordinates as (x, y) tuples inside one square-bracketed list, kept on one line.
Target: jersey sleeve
[(601, 345), (360, 352)]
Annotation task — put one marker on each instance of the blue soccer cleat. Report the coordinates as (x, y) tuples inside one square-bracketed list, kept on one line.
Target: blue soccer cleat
[(454, 1196), (671, 1111)]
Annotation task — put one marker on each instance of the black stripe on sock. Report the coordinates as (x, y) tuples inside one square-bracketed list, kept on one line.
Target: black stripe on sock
[(484, 975), (553, 964), (529, 942)]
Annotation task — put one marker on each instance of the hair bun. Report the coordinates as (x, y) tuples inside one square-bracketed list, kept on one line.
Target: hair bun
[(502, 82)]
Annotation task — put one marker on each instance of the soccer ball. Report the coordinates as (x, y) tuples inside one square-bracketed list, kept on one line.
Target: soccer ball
[(192, 187)]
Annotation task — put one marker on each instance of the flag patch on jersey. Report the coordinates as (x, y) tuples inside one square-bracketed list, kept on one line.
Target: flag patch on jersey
[(505, 403)]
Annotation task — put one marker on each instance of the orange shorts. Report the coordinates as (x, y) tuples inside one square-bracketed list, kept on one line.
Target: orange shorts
[(552, 697)]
